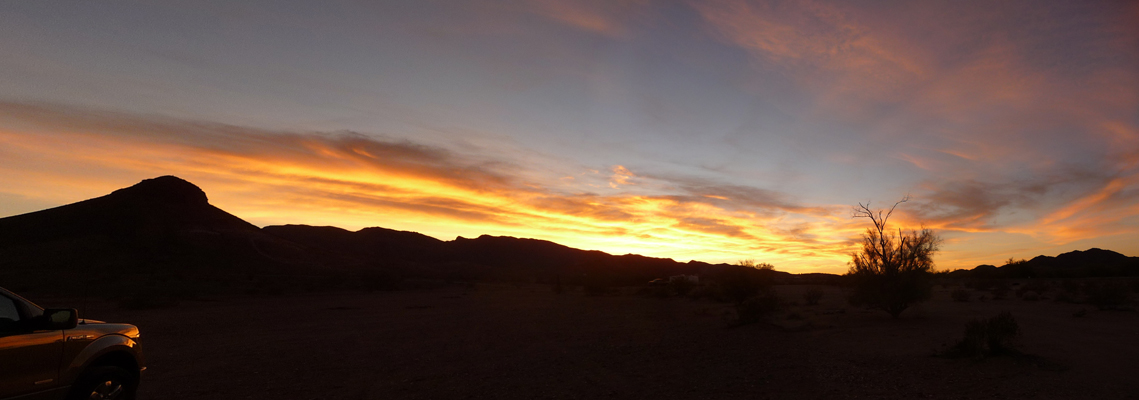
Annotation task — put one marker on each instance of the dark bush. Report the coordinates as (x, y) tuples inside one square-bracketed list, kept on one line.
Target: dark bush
[(703, 292), (656, 291), (981, 284), (1107, 295), (756, 308), (891, 271), (737, 284), (1070, 286), (1065, 297), (681, 286), (987, 337), (960, 295), (1000, 290), (812, 296), (1037, 286)]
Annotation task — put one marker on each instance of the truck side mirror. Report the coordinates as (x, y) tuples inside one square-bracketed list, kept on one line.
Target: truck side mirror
[(60, 318)]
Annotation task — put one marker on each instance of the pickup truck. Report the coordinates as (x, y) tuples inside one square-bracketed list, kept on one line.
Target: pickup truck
[(52, 354)]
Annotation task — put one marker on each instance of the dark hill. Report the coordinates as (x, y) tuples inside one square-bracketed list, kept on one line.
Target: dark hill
[(1076, 264), (159, 229), (486, 257), (366, 244), (152, 207), (163, 235)]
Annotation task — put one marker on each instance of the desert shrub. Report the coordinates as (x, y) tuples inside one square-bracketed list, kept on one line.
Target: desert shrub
[(756, 308), (1070, 286), (737, 284), (960, 295), (812, 296), (892, 271), (656, 291), (1000, 290), (702, 292), (981, 284), (681, 286), (1107, 295), (987, 337), (1065, 297), (757, 265), (1036, 286)]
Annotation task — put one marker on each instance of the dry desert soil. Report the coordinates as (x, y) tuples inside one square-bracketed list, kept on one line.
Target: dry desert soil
[(502, 341)]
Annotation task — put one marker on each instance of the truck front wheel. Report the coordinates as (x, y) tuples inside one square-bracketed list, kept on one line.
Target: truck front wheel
[(105, 382)]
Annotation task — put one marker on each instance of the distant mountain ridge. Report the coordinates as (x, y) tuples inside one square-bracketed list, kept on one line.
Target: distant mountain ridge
[(163, 231), (1093, 262)]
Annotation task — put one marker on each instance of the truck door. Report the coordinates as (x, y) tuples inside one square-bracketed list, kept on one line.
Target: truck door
[(29, 359)]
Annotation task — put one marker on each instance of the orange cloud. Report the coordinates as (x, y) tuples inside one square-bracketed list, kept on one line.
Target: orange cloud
[(353, 180)]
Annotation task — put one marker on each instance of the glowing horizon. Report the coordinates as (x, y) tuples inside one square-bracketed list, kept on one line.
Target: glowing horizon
[(711, 131)]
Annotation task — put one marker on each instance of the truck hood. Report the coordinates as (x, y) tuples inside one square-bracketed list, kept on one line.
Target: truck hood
[(100, 328)]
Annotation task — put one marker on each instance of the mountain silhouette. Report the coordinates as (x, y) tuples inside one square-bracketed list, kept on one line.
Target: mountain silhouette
[(1093, 262), (485, 257), (159, 229), (152, 207), (162, 234)]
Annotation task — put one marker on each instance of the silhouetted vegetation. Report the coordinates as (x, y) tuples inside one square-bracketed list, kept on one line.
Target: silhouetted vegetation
[(738, 283), (757, 265), (987, 337), (960, 295), (1107, 295), (757, 308), (748, 287), (812, 296), (892, 271), (681, 286), (1000, 289)]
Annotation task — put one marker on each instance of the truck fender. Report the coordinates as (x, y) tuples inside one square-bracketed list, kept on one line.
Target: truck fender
[(98, 348)]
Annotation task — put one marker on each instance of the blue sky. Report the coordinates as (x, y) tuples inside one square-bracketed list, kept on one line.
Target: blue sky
[(715, 131)]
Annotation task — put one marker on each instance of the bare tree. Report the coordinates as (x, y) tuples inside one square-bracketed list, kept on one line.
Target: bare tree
[(892, 270)]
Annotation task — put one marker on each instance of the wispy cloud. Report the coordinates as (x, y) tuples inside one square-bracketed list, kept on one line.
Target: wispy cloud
[(1018, 118), (599, 16), (354, 180)]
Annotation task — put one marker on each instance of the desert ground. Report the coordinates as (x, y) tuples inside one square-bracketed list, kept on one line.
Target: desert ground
[(527, 342)]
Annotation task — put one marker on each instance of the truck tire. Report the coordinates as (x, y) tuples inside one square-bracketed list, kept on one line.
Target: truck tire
[(105, 382)]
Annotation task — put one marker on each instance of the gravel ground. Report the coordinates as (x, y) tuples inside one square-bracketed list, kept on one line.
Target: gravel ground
[(507, 341)]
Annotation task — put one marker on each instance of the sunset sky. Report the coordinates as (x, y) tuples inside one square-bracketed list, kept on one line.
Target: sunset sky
[(707, 130)]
